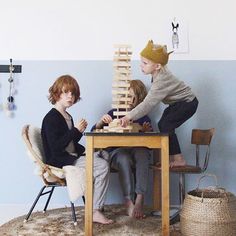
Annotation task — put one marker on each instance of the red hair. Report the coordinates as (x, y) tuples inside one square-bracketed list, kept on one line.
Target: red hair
[(64, 83)]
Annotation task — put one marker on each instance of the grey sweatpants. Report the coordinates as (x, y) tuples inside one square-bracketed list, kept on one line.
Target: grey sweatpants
[(124, 160), (101, 178)]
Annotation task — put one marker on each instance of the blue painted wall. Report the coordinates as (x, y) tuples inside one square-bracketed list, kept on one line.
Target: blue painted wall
[(212, 81)]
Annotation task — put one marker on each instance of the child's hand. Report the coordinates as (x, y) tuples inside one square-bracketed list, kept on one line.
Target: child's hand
[(81, 125), (124, 121), (147, 127), (106, 119)]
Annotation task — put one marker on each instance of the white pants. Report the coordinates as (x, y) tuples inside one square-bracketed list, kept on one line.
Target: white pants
[(101, 178)]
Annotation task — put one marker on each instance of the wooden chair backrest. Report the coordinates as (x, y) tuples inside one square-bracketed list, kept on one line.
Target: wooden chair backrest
[(202, 137)]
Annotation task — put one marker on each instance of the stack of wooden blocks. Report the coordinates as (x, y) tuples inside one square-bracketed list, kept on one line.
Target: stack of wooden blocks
[(120, 89)]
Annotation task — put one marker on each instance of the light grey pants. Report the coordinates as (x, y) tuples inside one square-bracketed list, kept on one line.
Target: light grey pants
[(101, 178), (126, 159)]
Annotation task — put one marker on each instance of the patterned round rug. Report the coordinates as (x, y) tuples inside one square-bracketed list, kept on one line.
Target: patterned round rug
[(59, 222)]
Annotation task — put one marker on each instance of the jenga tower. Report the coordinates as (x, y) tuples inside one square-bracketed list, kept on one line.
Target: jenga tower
[(120, 88), (122, 77)]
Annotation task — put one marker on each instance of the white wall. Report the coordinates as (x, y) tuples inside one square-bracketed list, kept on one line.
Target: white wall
[(86, 29)]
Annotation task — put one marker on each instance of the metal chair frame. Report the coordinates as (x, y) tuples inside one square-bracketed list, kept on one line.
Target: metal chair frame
[(200, 137), (59, 182)]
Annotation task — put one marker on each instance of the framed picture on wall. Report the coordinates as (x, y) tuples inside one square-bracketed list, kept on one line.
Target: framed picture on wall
[(178, 38)]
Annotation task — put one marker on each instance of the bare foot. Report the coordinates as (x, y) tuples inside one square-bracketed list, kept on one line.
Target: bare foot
[(98, 217), (138, 207), (177, 163), (178, 160), (129, 207)]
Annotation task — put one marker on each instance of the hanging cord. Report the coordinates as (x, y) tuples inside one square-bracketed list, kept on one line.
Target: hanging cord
[(10, 99)]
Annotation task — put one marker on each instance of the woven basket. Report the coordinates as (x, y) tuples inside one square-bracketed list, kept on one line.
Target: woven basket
[(208, 212)]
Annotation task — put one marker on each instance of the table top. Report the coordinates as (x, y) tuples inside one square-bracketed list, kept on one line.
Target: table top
[(125, 134)]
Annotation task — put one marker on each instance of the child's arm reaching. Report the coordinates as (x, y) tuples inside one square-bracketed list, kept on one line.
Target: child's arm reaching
[(106, 119)]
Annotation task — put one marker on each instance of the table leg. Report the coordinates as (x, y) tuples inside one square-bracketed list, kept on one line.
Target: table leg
[(165, 185), (89, 187), (156, 182)]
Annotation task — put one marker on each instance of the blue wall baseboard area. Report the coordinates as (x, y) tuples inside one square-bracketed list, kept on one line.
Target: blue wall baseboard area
[(213, 82)]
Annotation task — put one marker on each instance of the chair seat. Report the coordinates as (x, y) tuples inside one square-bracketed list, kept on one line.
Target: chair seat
[(181, 169), (186, 169)]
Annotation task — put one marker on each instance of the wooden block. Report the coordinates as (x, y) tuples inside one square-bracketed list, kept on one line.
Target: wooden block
[(122, 58), (123, 53), (118, 129), (114, 123), (121, 106), (99, 130), (120, 113), (122, 71), (120, 85), (115, 130), (121, 99), (133, 127), (122, 64), (125, 92), (119, 77), (115, 126)]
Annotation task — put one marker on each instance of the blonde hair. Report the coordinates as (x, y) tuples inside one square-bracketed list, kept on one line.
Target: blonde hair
[(139, 90), (164, 69), (64, 83)]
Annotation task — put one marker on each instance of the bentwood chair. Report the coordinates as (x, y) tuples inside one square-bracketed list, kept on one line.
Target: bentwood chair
[(201, 138), (52, 177)]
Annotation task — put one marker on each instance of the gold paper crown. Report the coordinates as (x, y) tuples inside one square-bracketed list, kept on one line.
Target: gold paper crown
[(156, 53)]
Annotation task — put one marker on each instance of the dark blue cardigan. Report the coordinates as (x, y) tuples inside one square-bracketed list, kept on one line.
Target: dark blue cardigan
[(56, 136)]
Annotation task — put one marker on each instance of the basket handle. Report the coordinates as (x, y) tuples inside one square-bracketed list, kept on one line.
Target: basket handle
[(209, 175), (222, 190)]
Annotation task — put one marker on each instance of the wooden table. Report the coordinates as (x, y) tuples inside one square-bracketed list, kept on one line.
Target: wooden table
[(151, 140)]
